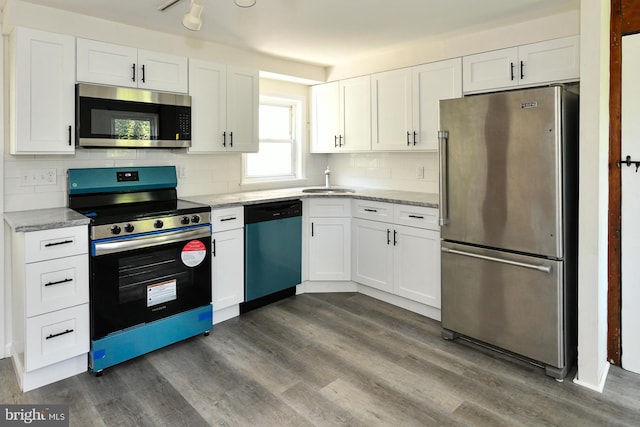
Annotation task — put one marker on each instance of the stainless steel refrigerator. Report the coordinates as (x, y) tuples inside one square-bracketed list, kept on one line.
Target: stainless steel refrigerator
[(508, 216)]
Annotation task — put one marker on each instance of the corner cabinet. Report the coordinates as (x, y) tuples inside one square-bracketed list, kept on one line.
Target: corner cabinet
[(396, 249), (117, 65), (50, 293), (227, 262), (225, 102), (42, 90), (329, 238), (549, 61), (341, 116), (405, 104)]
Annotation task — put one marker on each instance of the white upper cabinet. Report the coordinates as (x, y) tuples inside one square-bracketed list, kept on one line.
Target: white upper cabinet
[(341, 116), (549, 61), (116, 65), (406, 104), (224, 108), (42, 111)]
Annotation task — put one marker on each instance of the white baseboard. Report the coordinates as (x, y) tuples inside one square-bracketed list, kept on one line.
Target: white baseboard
[(227, 313), (595, 387), (324, 287)]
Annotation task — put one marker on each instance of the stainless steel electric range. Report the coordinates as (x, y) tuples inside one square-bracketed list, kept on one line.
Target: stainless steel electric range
[(150, 261)]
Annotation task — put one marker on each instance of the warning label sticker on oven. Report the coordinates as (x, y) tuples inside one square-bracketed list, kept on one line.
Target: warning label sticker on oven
[(161, 292), (193, 253)]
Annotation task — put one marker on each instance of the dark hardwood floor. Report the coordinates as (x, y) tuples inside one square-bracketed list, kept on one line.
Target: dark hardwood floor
[(330, 359)]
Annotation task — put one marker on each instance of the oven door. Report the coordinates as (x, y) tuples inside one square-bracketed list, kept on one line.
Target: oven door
[(140, 279)]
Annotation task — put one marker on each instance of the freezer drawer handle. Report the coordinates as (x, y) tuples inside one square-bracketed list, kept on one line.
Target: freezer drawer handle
[(543, 268), (443, 138)]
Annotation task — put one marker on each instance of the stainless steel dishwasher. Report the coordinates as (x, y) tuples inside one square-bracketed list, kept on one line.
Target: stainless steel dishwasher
[(273, 252)]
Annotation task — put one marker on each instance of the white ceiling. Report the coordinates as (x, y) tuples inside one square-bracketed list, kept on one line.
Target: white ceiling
[(322, 32)]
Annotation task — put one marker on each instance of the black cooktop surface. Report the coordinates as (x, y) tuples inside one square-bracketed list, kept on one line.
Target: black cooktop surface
[(134, 211)]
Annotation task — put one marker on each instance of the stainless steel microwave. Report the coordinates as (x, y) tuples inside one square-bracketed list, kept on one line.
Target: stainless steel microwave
[(117, 117)]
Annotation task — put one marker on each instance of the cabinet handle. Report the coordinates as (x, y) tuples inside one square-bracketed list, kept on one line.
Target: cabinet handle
[(335, 141), (143, 80), (133, 72), (69, 135), (521, 70), (213, 247), (415, 137), (395, 239), (62, 242), (388, 236), (68, 331), (512, 76), (370, 210), (408, 142), (231, 218), (416, 216), (231, 136), (224, 139), (341, 144), (58, 282), (312, 229)]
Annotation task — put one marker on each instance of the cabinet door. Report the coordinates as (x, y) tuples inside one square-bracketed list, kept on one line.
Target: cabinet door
[(549, 61), (162, 71), (391, 100), (42, 93), (490, 70), (432, 83), (417, 265), (227, 265), (242, 110), (325, 122), (106, 63), (372, 254), (330, 249), (355, 114), (208, 90)]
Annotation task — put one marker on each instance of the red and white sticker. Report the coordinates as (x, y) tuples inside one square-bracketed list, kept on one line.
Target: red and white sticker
[(193, 253)]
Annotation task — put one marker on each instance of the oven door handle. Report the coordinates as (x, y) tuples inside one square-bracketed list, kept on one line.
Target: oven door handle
[(147, 241)]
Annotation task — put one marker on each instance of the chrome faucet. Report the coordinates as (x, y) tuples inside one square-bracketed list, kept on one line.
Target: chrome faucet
[(327, 175)]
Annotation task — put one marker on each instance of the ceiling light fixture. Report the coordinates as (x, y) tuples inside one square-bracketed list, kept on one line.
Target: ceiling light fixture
[(192, 20), (245, 3)]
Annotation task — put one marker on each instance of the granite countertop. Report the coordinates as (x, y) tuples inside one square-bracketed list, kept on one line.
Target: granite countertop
[(251, 197), (44, 219)]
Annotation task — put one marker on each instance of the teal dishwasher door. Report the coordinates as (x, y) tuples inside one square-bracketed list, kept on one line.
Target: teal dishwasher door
[(273, 256)]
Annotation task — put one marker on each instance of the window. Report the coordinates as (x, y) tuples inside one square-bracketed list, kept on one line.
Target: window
[(278, 157)]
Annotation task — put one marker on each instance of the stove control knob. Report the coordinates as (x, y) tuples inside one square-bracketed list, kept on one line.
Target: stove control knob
[(195, 219), (184, 220), (128, 228), (115, 229), (158, 223)]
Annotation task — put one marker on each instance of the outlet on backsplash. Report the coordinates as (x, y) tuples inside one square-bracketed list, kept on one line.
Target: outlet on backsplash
[(39, 177), (420, 172)]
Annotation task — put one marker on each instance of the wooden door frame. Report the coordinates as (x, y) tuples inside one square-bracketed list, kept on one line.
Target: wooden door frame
[(625, 20)]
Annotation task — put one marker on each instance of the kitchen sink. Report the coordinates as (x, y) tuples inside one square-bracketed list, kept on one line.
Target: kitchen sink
[(325, 190)]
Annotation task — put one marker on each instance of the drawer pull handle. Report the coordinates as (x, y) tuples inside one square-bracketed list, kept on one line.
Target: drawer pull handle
[(370, 210), (63, 242), (228, 219), (416, 216), (58, 282), (68, 331)]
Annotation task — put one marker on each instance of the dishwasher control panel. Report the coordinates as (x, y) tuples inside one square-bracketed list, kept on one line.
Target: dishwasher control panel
[(270, 211)]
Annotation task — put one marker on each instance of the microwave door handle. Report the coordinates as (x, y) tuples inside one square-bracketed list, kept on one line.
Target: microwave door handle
[(105, 248)]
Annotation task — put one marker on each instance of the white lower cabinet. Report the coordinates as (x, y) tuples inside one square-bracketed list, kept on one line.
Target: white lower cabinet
[(50, 311), (329, 239), (227, 262), (394, 257)]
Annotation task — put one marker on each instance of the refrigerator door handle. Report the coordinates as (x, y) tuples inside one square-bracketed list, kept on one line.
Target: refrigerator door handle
[(443, 139), (542, 268)]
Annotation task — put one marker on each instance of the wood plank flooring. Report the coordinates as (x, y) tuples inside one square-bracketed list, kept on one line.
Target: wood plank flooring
[(330, 360)]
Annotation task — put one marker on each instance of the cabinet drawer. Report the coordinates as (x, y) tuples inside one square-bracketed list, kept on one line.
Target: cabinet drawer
[(56, 243), (376, 211), (56, 336), (227, 218), (56, 284), (329, 207), (416, 216)]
